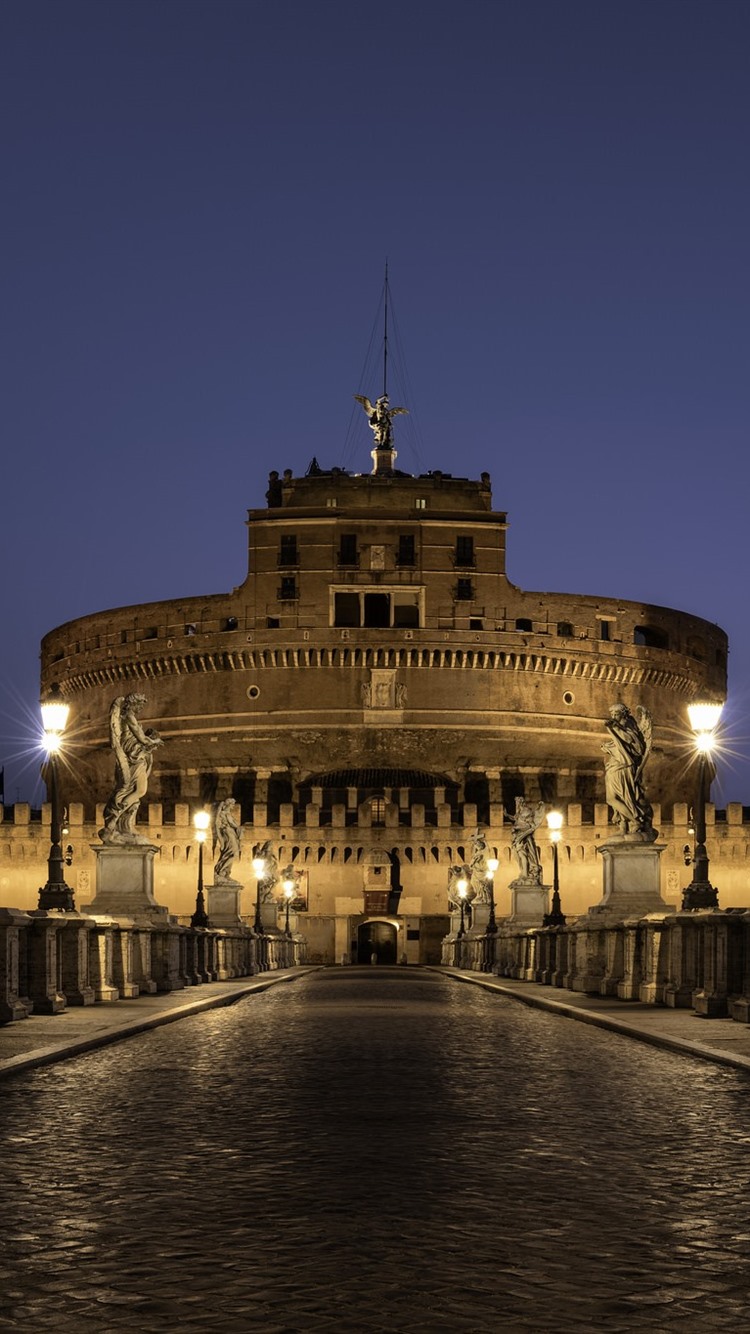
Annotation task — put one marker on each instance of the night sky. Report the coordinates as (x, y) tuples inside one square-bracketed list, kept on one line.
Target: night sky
[(199, 200)]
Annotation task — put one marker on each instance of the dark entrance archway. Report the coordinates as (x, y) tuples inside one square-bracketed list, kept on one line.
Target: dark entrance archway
[(379, 938)]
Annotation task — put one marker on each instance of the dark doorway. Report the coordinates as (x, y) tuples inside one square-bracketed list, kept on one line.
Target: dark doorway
[(377, 938), (377, 609)]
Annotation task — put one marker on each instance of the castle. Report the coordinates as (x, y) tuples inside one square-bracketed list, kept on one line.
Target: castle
[(374, 691)]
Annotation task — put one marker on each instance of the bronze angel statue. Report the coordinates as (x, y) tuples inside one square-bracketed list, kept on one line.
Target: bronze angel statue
[(380, 416)]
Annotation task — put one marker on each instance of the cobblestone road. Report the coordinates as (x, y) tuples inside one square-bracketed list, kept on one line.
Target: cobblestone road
[(376, 1150)]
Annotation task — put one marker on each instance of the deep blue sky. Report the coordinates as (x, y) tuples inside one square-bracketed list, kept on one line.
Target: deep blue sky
[(199, 197)]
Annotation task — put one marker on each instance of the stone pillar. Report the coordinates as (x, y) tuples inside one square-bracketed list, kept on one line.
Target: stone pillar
[(711, 999), (654, 980), (45, 982), (630, 986), (73, 944), (168, 968), (125, 882), (739, 1008), (615, 960), (102, 959), (682, 961), (590, 960), (141, 960), (12, 1004)]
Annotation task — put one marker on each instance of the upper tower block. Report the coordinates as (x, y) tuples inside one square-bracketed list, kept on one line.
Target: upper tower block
[(395, 493)]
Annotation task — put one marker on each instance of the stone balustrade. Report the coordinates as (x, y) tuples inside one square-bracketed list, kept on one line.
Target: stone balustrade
[(50, 960), (698, 960)]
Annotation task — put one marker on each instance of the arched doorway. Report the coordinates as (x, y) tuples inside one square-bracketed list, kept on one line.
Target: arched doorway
[(379, 938)]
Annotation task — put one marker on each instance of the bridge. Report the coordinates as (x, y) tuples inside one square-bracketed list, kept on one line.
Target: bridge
[(372, 1149)]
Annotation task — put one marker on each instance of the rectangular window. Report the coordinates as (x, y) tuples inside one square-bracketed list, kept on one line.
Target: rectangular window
[(288, 590), (420, 504), (406, 550), (565, 629), (346, 609), (378, 609), (288, 554), (348, 549), (464, 590), (605, 631), (464, 551)]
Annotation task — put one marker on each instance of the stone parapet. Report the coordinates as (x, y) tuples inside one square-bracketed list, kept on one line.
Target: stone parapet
[(49, 960)]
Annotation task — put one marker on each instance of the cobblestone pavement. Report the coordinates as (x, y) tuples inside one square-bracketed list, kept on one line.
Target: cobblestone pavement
[(376, 1150)]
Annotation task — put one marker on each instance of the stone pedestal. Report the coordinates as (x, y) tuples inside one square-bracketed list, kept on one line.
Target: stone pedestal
[(269, 913), (125, 882), (223, 905), (631, 881), (480, 917), (528, 904)]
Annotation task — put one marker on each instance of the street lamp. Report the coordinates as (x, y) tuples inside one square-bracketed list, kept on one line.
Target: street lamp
[(492, 865), (201, 821), (462, 886), (700, 893), (259, 866), (556, 917), (55, 894), (289, 887)]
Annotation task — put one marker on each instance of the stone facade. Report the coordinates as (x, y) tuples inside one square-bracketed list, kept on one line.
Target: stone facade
[(378, 682)]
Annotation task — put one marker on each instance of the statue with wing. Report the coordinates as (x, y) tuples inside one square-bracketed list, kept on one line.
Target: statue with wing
[(627, 750), (134, 748), (380, 416)]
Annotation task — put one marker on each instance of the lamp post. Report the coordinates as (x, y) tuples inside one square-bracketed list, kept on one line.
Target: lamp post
[(700, 893), (492, 865), (259, 866), (55, 894), (290, 890), (556, 917), (201, 821)]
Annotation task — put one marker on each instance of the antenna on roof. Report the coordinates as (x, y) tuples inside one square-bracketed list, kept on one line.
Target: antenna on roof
[(385, 333)]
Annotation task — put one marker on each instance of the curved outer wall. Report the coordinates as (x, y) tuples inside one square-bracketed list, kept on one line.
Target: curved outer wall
[(487, 681)]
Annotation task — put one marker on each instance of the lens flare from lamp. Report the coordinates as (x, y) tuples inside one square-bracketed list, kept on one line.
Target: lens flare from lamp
[(704, 716), (201, 821), (54, 720), (554, 824)]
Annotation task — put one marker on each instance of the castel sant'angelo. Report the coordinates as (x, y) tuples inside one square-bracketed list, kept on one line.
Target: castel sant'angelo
[(374, 691)]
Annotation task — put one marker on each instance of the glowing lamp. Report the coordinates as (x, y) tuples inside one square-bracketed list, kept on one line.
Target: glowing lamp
[(54, 719), (201, 821), (554, 824)]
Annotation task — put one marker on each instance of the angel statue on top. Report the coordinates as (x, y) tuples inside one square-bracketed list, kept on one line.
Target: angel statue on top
[(627, 750), (380, 416), (134, 749)]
